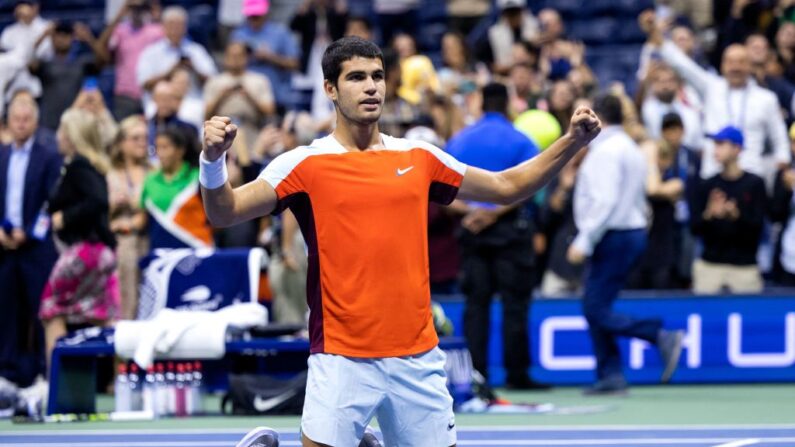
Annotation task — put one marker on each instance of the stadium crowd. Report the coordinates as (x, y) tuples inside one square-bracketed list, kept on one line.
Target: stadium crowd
[(94, 178)]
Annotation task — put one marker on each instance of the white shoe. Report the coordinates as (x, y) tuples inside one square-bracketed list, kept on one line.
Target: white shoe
[(260, 437)]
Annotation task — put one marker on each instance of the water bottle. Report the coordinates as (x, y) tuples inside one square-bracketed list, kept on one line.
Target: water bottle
[(196, 386), (161, 394), (121, 390), (136, 388), (190, 407), (150, 392), (179, 391), (171, 389)]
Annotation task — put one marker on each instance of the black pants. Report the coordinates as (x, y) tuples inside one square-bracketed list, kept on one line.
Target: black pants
[(23, 275), (507, 270)]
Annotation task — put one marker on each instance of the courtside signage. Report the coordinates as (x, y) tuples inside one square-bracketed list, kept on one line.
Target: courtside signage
[(726, 340)]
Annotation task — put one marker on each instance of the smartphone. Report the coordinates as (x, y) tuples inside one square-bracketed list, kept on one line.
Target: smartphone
[(90, 83)]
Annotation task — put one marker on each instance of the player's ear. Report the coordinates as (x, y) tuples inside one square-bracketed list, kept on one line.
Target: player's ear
[(330, 89)]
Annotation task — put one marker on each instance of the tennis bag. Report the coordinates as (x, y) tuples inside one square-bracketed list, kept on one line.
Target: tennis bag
[(257, 394)]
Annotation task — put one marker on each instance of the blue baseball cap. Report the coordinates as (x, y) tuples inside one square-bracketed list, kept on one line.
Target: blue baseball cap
[(729, 133)]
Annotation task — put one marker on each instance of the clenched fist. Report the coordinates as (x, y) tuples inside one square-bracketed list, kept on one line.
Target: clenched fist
[(585, 125), (219, 132)]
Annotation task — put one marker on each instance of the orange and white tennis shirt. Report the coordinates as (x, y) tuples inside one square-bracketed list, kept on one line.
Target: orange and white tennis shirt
[(364, 216)]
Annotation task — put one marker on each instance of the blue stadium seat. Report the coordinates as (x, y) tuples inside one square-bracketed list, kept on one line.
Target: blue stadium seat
[(593, 31)]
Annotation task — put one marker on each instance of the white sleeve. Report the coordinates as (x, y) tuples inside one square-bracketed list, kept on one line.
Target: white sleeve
[(595, 197), (202, 61), (690, 71), (143, 72), (777, 131)]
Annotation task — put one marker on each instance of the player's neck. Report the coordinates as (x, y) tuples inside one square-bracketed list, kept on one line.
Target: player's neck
[(358, 137)]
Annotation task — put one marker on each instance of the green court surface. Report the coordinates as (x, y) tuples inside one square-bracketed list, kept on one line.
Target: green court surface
[(713, 405)]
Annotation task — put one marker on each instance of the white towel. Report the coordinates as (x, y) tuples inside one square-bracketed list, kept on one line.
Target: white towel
[(184, 334)]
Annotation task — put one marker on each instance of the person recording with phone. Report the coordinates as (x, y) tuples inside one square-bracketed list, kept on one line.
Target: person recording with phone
[(162, 59), (65, 71)]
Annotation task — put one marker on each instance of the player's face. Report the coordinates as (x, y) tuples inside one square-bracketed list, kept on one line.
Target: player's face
[(360, 89)]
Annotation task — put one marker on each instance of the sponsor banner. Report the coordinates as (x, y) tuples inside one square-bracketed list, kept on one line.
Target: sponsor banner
[(727, 339)]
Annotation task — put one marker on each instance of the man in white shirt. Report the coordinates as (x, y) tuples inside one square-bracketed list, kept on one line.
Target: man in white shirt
[(610, 214), (733, 99), (162, 59), (21, 38), (666, 96)]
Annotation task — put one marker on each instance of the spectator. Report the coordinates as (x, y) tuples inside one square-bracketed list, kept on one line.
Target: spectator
[(686, 166), (288, 269), (732, 99), (781, 211), (398, 113), (768, 74), (665, 187), (551, 26), (561, 277), (561, 101), (172, 52), (515, 24), (464, 15), (240, 93), (83, 287), (122, 43), (785, 46), (459, 77), (447, 118), (64, 72), (396, 16), (275, 51), (27, 38), (90, 99), (697, 12), (191, 102), (728, 214), (417, 75), (526, 88), (319, 22), (360, 27), (174, 213), (167, 105), (610, 213), (129, 166), (28, 171), (496, 242), (667, 96)]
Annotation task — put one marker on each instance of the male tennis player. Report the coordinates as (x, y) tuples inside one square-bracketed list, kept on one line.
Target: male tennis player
[(361, 200)]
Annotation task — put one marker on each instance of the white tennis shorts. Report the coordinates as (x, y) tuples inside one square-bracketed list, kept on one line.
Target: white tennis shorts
[(407, 395)]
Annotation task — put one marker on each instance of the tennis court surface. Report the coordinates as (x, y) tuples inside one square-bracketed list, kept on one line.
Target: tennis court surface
[(699, 416)]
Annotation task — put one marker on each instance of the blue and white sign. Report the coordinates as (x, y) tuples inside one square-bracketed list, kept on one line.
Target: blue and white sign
[(728, 339), (199, 279)]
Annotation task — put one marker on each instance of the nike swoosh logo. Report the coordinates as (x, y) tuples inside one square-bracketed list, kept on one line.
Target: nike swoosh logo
[(403, 171), (450, 427), (263, 405)]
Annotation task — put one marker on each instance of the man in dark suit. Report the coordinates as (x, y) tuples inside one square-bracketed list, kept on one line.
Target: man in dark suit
[(29, 170)]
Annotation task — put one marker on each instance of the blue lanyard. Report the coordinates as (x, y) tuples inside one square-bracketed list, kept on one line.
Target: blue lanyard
[(743, 107)]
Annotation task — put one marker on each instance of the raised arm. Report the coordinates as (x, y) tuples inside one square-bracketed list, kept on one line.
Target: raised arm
[(224, 205), (687, 68), (522, 181)]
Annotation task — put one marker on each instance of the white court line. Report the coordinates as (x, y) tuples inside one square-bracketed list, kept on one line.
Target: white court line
[(469, 428), (740, 443), (486, 442)]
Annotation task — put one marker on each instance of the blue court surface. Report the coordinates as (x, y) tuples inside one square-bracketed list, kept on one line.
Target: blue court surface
[(759, 436)]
